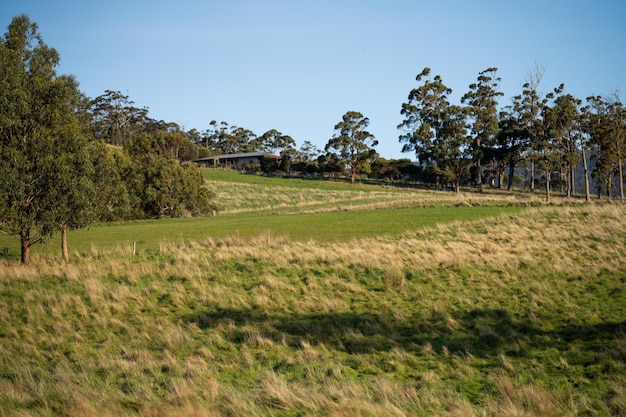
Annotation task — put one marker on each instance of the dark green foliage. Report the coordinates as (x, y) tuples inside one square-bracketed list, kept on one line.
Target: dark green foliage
[(160, 185), (482, 102), (352, 145), (44, 167), (436, 131)]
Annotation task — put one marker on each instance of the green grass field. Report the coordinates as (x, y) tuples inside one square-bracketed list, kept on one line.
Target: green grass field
[(322, 211), (439, 306)]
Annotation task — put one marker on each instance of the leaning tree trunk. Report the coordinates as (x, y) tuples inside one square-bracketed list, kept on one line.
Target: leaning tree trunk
[(64, 252), (586, 170), (25, 244), (621, 176)]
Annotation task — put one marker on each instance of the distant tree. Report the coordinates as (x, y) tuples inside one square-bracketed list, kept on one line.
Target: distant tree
[(531, 103), (115, 119), (274, 142), (563, 125), (482, 100), (511, 140), (43, 165), (606, 124), (352, 143), (161, 186), (224, 139), (307, 152), (455, 162), (113, 201), (385, 169), (435, 130)]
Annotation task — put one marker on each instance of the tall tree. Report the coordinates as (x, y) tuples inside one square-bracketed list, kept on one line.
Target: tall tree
[(482, 100), (512, 138), (116, 119), (563, 124), (456, 160), (606, 125), (428, 121), (352, 143), (41, 145), (531, 103)]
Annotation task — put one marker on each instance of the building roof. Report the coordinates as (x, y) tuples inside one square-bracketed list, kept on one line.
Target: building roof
[(238, 156)]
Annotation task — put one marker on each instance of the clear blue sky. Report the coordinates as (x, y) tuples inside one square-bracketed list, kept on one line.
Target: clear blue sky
[(298, 66)]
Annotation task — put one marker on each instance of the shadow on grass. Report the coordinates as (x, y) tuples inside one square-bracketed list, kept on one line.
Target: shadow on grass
[(481, 333)]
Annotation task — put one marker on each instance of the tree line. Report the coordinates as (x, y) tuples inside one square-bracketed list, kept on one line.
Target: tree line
[(551, 135), (69, 160)]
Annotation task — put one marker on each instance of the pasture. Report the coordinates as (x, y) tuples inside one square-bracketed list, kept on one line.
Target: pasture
[(427, 304)]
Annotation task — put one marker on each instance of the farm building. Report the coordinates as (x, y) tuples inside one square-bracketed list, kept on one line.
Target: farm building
[(239, 160)]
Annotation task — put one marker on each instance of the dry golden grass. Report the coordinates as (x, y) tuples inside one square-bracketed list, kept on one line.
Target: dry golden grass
[(269, 327)]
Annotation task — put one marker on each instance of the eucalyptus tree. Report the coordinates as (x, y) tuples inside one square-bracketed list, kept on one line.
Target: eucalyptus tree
[(512, 139), (230, 139), (352, 143), (305, 157), (307, 152), (562, 122), (115, 119), (274, 142), (606, 124), (531, 103), (482, 100), (457, 160), (159, 185), (43, 166), (423, 120)]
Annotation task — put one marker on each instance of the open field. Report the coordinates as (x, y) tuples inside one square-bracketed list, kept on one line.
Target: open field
[(521, 314), (255, 206)]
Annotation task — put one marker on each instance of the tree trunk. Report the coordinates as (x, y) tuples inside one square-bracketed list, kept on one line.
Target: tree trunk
[(547, 186), (586, 170), (511, 175), (492, 175), (572, 181), (532, 174), (25, 243), (621, 176), (479, 179), (64, 252)]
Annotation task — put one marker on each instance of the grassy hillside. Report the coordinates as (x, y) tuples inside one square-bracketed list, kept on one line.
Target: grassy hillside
[(252, 206), (520, 315), (245, 193)]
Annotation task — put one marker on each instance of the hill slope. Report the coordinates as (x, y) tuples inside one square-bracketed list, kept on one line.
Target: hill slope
[(517, 315)]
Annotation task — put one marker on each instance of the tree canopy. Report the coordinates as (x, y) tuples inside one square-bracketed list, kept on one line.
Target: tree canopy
[(352, 143), (44, 166)]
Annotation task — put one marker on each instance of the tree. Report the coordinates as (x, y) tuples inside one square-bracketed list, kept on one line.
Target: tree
[(225, 139), (456, 160), (352, 143), (42, 162), (435, 130), (563, 125), (606, 125), (274, 142), (482, 101), (531, 104), (512, 138), (160, 185), (116, 119)]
